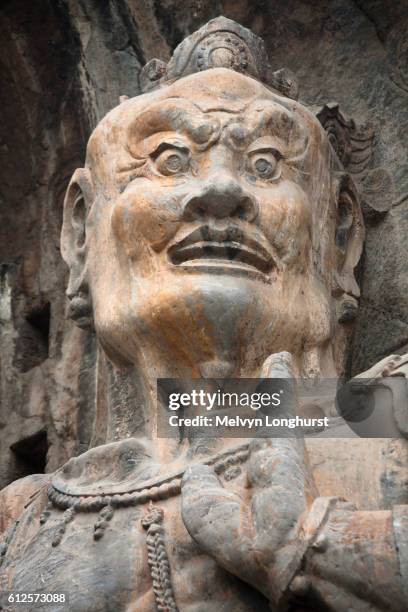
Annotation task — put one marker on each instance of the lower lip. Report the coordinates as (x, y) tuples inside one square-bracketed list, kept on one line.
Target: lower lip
[(217, 266)]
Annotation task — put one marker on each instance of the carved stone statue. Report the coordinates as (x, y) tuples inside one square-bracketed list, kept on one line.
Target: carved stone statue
[(213, 232)]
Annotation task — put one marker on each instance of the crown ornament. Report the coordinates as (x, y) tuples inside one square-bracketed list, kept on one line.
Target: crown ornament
[(221, 43)]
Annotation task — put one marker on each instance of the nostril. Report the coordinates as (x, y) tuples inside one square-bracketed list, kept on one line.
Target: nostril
[(241, 212), (246, 210), (194, 209)]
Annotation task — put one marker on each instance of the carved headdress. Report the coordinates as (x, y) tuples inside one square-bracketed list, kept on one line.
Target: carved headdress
[(221, 43)]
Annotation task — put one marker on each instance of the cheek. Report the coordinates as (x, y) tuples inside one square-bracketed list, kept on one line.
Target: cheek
[(285, 219), (145, 216)]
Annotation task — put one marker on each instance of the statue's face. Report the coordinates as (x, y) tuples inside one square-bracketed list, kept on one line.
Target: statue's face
[(201, 237)]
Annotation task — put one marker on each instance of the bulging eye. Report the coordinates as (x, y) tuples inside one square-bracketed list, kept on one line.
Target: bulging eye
[(173, 161), (265, 164)]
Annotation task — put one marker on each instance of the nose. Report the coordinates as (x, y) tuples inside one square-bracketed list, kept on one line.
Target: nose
[(221, 196)]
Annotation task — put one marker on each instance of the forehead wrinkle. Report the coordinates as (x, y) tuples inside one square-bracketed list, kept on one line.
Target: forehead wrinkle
[(171, 114), (232, 107), (272, 117)]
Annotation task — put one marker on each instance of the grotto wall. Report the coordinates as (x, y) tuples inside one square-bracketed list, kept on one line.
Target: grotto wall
[(64, 64)]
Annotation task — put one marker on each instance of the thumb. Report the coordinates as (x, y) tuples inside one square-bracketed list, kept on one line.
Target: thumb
[(216, 520)]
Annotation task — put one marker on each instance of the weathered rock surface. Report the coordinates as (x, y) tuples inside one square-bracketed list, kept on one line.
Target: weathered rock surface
[(63, 65)]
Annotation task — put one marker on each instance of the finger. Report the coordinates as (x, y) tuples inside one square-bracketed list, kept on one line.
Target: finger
[(393, 363), (273, 459), (215, 519), (279, 367), (279, 472), (379, 368), (283, 488), (400, 371), (404, 359), (400, 367), (280, 463)]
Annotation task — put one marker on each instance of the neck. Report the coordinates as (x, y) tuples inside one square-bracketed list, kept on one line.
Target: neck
[(127, 396), (127, 400)]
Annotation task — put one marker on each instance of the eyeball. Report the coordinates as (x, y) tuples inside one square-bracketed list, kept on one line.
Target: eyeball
[(264, 165), (173, 161)]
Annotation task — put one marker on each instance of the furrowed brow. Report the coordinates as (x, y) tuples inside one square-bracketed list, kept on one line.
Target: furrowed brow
[(173, 115), (166, 144), (267, 118)]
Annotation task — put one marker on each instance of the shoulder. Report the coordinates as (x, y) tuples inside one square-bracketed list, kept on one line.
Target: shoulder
[(17, 495)]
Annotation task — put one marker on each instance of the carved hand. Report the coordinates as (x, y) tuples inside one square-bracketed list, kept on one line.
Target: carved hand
[(278, 536), (254, 534)]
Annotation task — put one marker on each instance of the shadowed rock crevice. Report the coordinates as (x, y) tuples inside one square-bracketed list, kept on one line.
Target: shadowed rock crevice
[(31, 454), (33, 339)]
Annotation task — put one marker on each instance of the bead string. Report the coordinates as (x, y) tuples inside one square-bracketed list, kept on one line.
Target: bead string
[(158, 560), (158, 490), (106, 504)]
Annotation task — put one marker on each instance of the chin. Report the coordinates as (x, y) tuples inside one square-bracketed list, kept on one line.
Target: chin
[(208, 292), (197, 316), (207, 315)]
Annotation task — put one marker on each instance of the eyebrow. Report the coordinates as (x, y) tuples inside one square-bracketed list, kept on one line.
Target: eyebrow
[(172, 115), (180, 116), (165, 144), (267, 117), (276, 118), (262, 148)]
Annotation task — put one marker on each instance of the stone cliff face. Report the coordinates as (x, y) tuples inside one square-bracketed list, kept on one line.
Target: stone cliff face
[(63, 65)]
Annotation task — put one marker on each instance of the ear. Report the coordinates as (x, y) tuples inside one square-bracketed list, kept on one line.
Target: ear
[(78, 200), (349, 239)]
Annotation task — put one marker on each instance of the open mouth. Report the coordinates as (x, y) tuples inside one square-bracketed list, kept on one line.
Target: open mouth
[(228, 247)]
